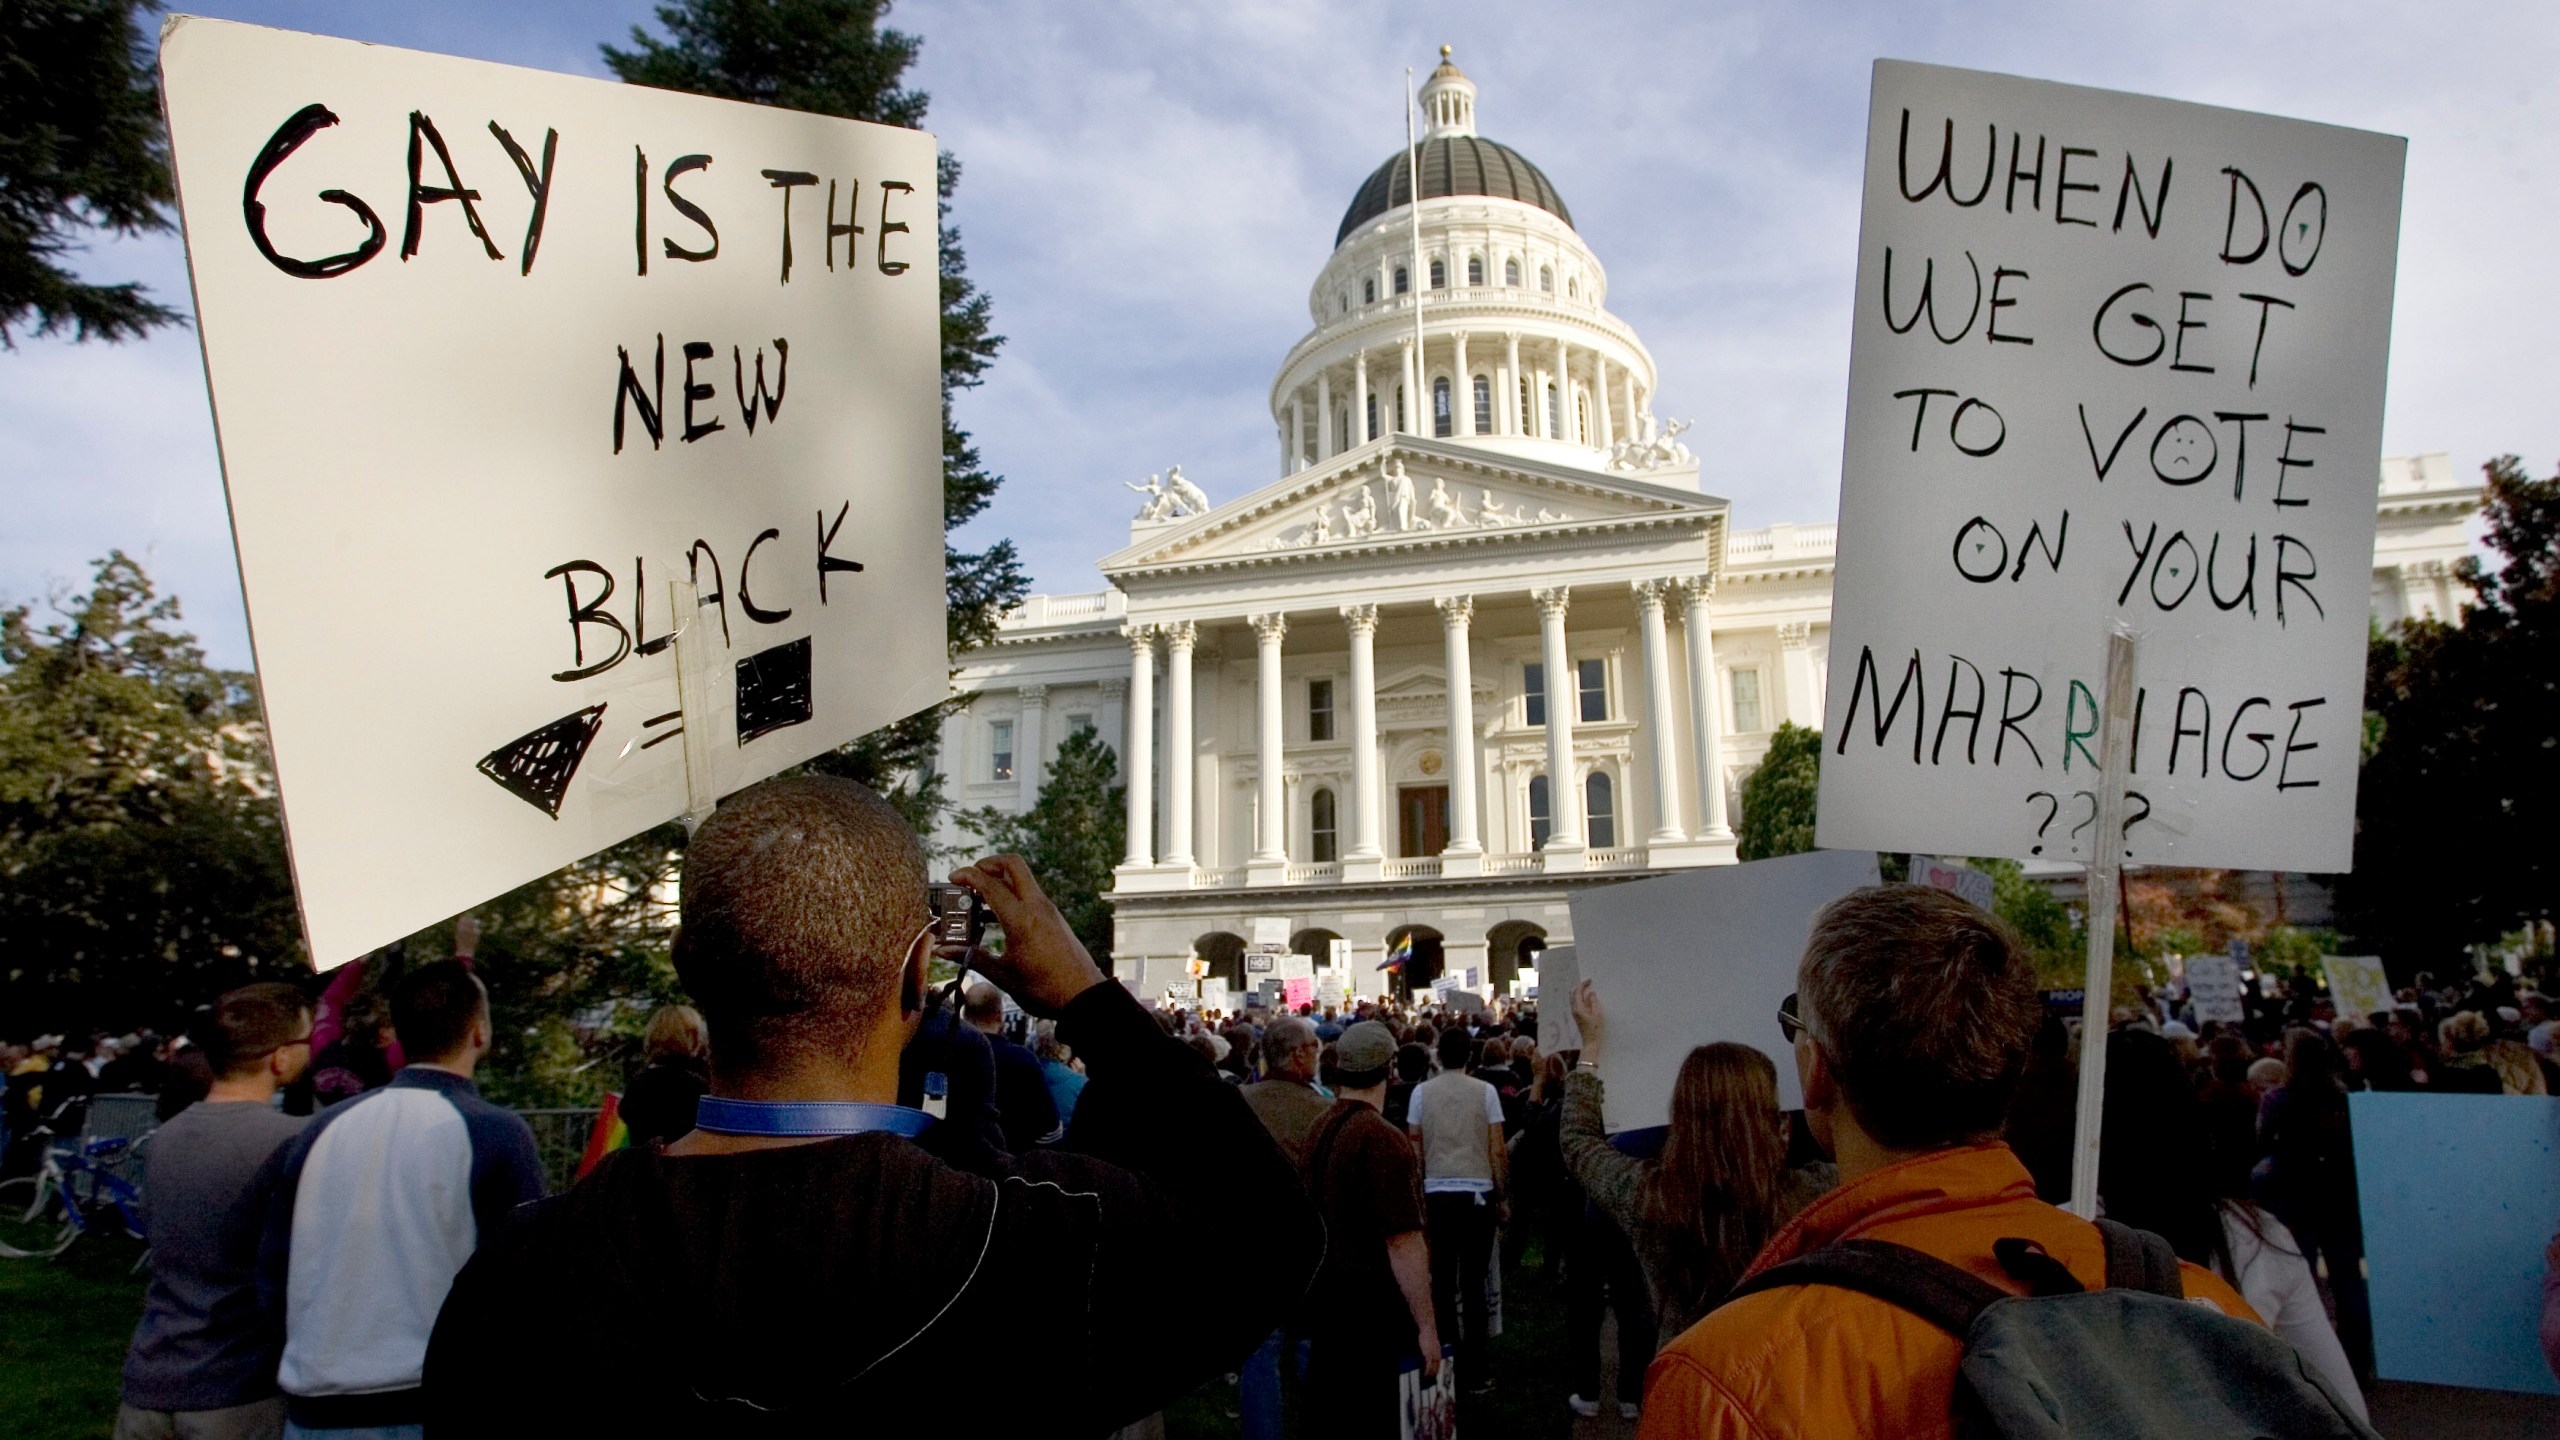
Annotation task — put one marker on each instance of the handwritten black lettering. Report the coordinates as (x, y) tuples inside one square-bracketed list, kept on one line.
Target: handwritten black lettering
[(304, 123), (746, 601), (1927, 302), (537, 183), (2063, 185), (652, 402), (2131, 190), (2286, 460), (696, 351), (889, 227), (785, 181), (1946, 159), (423, 195), (1867, 678), (686, 165), (585, 613)]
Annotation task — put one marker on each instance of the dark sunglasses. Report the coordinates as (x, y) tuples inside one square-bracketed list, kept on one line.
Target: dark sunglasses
[(1790, 1024)]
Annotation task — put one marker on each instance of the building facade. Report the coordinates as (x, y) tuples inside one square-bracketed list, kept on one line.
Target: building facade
[(1483, 642)]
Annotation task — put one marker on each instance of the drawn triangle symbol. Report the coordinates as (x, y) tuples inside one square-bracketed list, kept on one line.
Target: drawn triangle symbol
[(536, 767)]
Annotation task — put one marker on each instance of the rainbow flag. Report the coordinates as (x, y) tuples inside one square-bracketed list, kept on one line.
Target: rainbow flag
[(1400, 954), (609, 1135)]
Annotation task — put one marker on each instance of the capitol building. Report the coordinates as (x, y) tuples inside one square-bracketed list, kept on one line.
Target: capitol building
[(1483, 639)]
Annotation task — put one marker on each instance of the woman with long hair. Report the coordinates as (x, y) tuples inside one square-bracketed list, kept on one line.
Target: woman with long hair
[(1721, 1187), (2153, 1176)]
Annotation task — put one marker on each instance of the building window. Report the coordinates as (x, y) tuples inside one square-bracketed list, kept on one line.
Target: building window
[(1582, 416), (1745, 688), (1324, 833), (1484, 405), (1441, 423), (1373, 417), (1541, 822), (1343, 308), (999, 749), (1404, 282), (1600, 816), (1511, 273), (1079, 720), (1319, 709), (1475, 269), (1591, 678), (1533, 693), (1369, 291), (1573, 287), (1403, 426), (1555, 414), (1547, 278), (1526, 415), (1439, 274)]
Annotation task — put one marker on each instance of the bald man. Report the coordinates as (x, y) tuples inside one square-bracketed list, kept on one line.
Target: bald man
[(811, 1259)]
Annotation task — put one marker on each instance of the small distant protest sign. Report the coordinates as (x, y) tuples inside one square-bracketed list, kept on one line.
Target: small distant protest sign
[(2115, 360), (2213, 984), (1974, 885), (495, 356)]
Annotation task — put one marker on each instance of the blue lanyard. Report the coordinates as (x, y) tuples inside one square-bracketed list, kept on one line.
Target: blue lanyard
[(723, 1116)]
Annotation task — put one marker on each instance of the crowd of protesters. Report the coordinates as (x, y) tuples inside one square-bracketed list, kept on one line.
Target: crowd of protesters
[(850, 1189)]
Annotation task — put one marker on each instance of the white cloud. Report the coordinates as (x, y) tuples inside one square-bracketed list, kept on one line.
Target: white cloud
[(1151, 187)]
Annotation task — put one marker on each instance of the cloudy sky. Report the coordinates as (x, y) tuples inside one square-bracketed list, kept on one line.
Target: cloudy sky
[(1150, 187)]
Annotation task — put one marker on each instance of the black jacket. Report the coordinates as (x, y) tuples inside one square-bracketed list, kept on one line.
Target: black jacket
[(866, 1285)]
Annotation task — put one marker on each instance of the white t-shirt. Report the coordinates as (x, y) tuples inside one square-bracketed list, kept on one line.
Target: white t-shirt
[(2276, 1281), (1456, 1127)]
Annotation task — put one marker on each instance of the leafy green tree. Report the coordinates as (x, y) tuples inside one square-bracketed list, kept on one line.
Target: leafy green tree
[(142, 865), (2057, 940), (1778, 799), (1073, 834), (2453, 808), (80, 148), (834, 57)]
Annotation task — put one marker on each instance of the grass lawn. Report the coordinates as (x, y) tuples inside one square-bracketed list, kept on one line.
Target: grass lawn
[(62, 1347)]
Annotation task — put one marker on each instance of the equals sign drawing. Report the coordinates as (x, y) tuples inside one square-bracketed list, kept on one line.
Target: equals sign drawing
[(673, 719)]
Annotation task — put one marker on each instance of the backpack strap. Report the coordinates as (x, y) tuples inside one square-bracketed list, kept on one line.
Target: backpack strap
[(1898, 1275), (2140, 1260)]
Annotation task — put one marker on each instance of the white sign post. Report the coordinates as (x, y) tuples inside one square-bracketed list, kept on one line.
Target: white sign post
[(496, 356), (2116, 375)]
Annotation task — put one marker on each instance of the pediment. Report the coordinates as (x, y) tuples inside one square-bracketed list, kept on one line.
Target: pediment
[(1409, 493)]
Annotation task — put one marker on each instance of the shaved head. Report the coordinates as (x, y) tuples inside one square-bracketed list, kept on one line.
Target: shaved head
[(801, 899)]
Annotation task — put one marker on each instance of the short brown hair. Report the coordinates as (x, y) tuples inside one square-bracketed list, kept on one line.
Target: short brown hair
[(1924, 1005), (800, 898), (253, 1022), (433, 1007)]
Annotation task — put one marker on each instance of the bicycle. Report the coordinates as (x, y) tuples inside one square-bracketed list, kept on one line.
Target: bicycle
[(72, 1193)]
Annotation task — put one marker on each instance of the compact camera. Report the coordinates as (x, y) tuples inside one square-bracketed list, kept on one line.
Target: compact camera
[(960, 917)]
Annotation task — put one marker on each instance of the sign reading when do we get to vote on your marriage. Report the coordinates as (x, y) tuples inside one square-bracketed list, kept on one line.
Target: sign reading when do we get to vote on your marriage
[(2116, 361), (495, 357)]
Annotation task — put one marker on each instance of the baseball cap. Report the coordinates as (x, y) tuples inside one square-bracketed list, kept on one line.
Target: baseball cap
[(1365, 1048)]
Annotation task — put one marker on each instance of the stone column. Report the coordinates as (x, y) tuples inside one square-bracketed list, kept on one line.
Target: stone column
[(1179, 637), (1510, 398), (1026, 742), (1324, 414), (1706, 706), (1600, 400), (1115, 714), (1142, 738), (1271, 827), (1462, 387), (1360, 399), (1660, 722), (1563, 415), (1297, 431), (1635, 427), (1564, 789), (1409, 410), (1362, 622), (1457, 613)]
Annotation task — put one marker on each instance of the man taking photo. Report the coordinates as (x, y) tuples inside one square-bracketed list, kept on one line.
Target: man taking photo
[(808, 1260)]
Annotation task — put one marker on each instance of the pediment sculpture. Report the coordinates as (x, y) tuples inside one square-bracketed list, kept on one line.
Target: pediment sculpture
[(1654, 452), (1404, 512), (1170, 496)]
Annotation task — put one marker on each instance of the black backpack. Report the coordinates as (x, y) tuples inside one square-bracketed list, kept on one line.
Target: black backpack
[(2136, 1359)]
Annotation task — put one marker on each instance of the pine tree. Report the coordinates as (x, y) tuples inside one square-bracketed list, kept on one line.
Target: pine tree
[(80, 147), (1777, 801), (834, 57), (1072, 834)]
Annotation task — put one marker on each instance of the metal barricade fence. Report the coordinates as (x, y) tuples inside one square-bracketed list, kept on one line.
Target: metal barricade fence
[(561, 1137)]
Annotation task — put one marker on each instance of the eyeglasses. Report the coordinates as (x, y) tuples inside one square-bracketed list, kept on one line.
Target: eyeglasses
[(1790, 1024)]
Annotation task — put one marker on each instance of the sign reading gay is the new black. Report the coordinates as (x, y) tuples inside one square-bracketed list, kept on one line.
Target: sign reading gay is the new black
[(2116, 361), (495, 357)]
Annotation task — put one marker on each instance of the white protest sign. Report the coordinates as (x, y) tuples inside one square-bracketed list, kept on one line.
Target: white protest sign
[(1974, 885), (1559, 969), (1294, 966), (2213, 984), (1329, 988), (2357, 985), (1270, 932), (1696, 957), (2115, 359), (496, 355)]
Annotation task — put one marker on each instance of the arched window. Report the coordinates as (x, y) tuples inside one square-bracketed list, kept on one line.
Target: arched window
[(1600, 816), (1484, 405), (1573, 287), (1404, 423), (1404, 282), (1344, 308), (1555, 414), (1324, 843), (1525, 412), (1342, 429), (1373, 417), (1582, 416), (1475, 269), (1547, 278), (1369, 291), (1439, 274), (1541, 822), (1511, 272), (1441, 421)]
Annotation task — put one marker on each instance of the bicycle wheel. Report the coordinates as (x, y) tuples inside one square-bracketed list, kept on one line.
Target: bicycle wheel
[(34, 1222)]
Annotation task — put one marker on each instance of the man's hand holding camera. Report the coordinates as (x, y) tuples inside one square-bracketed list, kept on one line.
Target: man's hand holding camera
[(1044, 965)]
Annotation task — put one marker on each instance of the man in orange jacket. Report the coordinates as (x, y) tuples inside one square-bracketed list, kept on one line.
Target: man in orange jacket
[(1916, 1009)]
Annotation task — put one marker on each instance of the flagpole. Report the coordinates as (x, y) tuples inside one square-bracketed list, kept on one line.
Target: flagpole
[(1421, 276)]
